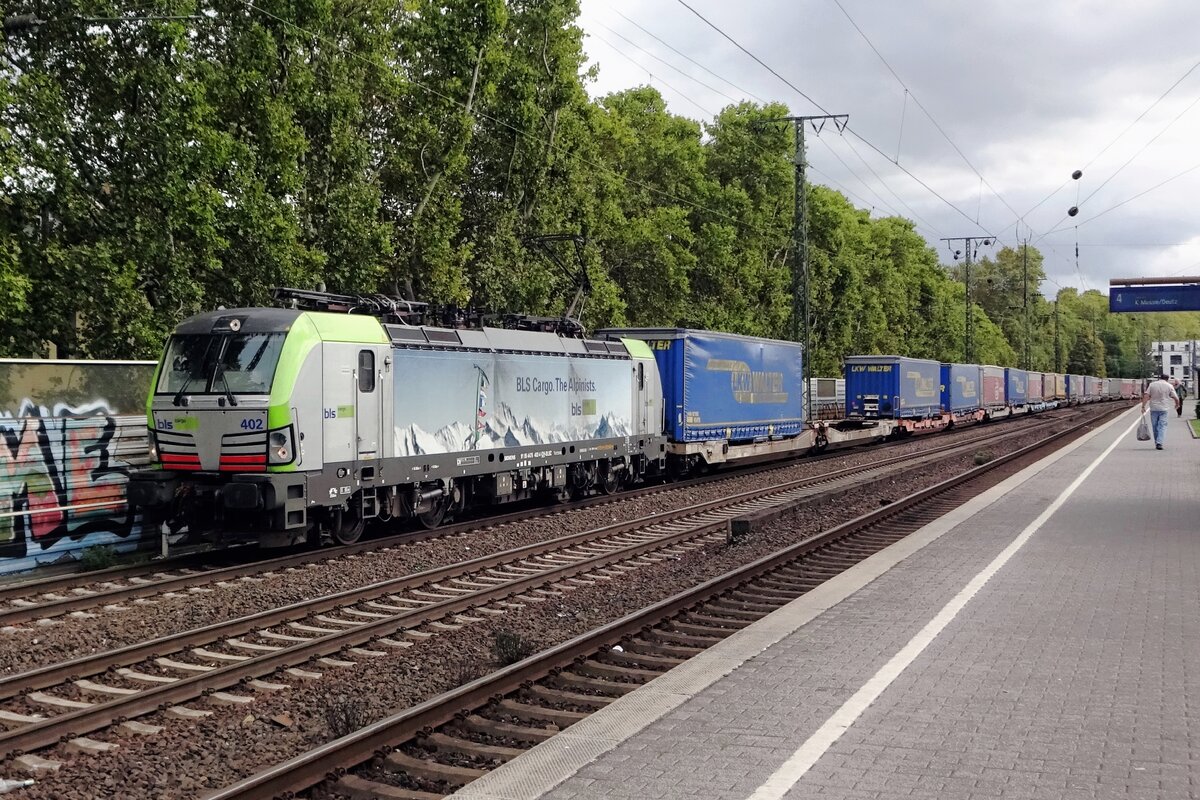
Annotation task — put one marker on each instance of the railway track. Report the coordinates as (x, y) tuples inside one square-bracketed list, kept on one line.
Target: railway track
[(429, 750), (61, 595), (72, 699)]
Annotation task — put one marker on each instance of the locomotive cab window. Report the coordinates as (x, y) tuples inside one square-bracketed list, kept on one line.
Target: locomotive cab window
[(366, 371), (641, 375), (225, 363)]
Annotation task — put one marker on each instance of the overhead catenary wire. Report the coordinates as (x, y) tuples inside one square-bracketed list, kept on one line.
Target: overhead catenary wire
[(1195, 243), (631, 60), (1142, 149), (859, 178), (885, 185), (1115, 139), (758, 60), (908, 92), (852, 131), (881, 202), (659, 59), (1140, 194), (839, 185), (684, 55), (843, 188), (1141, 116)]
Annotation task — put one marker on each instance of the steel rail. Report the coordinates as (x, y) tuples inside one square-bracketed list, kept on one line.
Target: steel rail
[(332, 759), (72, 581), (75, 723), (51, 675), (59, 583), (20, 614)]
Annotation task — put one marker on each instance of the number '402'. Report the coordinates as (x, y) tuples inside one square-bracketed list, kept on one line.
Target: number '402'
[(252, 424)]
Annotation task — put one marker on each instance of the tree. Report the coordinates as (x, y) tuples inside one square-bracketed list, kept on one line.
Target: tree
[(1006, 288), (1087, 355), (742, 278), (151, 168), (14, 285), (445, 57)]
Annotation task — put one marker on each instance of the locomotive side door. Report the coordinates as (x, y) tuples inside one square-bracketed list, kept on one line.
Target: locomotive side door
[(647, 393), (368, 377), (338, 401)]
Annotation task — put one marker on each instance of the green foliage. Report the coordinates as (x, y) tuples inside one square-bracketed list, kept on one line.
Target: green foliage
[(509, 648), (150, 170), (98, 557), (1087, 355)]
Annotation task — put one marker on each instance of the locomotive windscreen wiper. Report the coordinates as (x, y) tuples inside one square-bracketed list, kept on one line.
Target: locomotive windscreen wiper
[(178, 399), (225, 382)]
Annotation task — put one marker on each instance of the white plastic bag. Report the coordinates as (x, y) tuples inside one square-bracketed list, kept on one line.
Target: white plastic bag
[(1143, 431)]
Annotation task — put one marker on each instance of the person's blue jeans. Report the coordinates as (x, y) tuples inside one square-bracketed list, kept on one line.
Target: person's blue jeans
[(1158, 424)]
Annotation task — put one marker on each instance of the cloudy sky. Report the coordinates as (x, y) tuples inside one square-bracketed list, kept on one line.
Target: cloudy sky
[(1028, 90)]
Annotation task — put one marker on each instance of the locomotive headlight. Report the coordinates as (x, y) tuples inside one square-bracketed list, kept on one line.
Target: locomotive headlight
[(153, 442), (280, 446)]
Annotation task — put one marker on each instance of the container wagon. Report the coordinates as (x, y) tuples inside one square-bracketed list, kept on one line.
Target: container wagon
[(1093, 389), (725, 396), (992, 391), (1033, 391), (1075, 389), (828, 397), (1128, 388), (1016, 387), (960, 389), (1054, 387), (892, 387)]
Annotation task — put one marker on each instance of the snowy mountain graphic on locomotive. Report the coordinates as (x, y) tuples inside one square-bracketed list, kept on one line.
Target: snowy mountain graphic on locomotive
[(286, 425)]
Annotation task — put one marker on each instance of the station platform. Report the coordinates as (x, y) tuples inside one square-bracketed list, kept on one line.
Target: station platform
[(1042, 641)]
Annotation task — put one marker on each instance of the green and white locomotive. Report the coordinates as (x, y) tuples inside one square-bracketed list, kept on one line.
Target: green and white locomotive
[(301, 424)]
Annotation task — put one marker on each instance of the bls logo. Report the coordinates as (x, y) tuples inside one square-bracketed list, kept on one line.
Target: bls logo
[(331, 413), (576, 409)]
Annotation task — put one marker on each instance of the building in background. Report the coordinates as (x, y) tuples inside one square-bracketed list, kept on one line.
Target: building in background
[(1177, 360)]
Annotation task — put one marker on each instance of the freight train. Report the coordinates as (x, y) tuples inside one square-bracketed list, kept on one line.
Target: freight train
[(918, 394), (286, 425)]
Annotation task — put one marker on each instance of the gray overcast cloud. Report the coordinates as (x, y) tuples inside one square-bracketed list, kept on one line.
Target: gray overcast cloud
[(1029, 91)]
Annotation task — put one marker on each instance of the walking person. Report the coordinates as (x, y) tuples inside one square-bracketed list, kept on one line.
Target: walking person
[(1161, 398), (1180, 390)]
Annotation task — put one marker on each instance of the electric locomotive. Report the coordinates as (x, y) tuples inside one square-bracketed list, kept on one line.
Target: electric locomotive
[(297, 424)]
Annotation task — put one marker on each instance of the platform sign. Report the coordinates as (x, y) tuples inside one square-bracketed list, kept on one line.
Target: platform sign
[(1143, 299)]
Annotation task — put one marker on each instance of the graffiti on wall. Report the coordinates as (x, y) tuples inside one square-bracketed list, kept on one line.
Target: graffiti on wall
[(70, 433), (63, 471)]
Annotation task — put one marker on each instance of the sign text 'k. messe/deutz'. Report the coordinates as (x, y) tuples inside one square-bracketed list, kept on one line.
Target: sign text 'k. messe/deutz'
[(1153, 298)]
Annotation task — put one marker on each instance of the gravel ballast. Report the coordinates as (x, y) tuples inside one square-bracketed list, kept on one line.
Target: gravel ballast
[(186, 760), (35, 644)]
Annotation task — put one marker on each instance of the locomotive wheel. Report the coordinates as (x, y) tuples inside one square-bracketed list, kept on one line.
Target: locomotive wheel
[(610, 483), (347, 527), (435, 516)]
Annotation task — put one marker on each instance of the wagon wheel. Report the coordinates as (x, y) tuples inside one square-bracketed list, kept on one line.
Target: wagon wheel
[(347, 526)]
